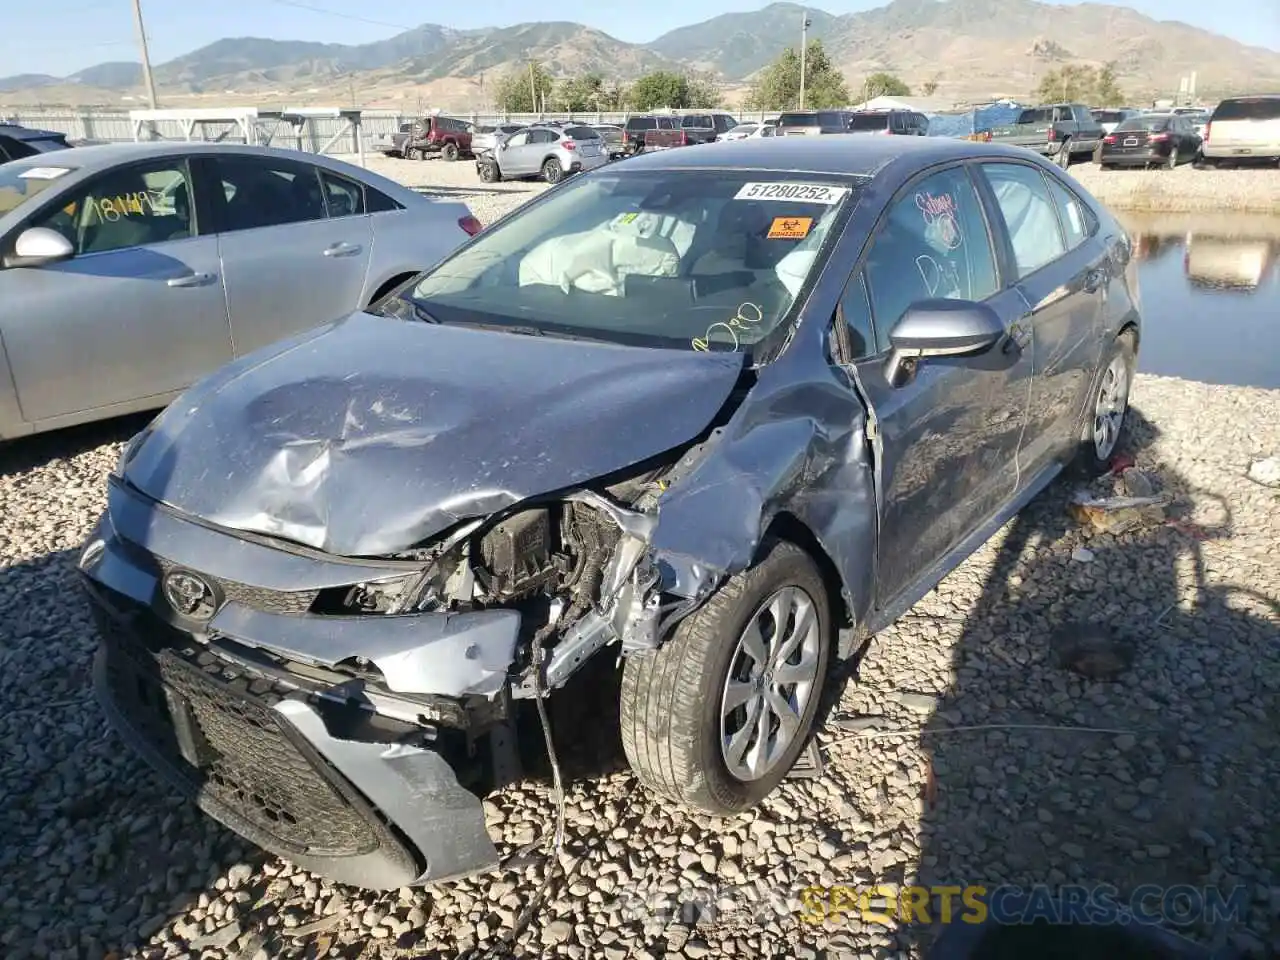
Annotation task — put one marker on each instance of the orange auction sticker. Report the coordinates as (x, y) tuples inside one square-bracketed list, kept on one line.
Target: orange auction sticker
[(790, 228)]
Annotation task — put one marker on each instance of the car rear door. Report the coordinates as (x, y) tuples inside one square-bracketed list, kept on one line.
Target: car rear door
[(950, 434), (288, 265), (136, 315), (1060, 265)]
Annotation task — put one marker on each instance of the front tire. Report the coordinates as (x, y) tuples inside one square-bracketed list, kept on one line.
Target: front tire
[(489, 173), (552, 172), (716, 717)]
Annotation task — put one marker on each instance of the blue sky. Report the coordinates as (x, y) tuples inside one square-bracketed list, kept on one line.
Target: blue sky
[(62, 36)]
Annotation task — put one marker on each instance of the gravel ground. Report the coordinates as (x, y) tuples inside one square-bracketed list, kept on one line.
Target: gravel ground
[(458, 181), (1185, 190), (955, 754)]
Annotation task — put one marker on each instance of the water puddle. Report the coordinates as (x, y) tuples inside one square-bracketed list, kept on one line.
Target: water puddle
[(1210, 288)]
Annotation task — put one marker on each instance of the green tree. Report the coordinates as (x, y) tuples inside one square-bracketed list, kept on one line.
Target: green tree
[(777, 86), (1107, 91), (580, 93), (515, 91), (663, 88), (884, 85), (1078, 83)]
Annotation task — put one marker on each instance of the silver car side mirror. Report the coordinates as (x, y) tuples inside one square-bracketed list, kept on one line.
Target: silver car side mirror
[(941, 328), (37, 246)]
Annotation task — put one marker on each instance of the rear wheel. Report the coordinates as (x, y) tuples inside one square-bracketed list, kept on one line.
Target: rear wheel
[(552, 172), (1064, 154), (716, 717), (1103, 432), (1172, 162), (449, 152)]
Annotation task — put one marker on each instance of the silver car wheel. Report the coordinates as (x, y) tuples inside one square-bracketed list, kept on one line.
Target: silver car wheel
[(772, 676), (1108, 412)]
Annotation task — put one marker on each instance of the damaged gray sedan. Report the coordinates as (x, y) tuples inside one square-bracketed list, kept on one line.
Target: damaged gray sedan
[(717, 414)]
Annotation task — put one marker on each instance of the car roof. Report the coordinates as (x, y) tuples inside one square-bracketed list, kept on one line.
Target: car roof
[(19, 132), (849, 155)]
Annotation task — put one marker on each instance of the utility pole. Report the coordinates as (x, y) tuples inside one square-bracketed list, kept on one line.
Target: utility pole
[(146, 57), (804, 50), (533, 90)]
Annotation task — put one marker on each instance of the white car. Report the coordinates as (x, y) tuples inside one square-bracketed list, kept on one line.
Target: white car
[(749, 131)]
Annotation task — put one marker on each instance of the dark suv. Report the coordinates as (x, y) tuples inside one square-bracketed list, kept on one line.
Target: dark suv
[(636, 127), (903, 123), (17, 142)]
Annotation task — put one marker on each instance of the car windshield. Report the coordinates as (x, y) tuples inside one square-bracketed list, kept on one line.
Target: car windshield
[(1149, 124), (869, 122), (23, 179), (746, 129), (698, 260)]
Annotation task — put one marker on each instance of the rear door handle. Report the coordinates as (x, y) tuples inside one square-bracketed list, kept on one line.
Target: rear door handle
[(193, 280), (343, 249)]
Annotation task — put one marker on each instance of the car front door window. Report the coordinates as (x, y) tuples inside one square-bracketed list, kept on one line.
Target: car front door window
[(128, 207), (932, 244), (1028, 213)]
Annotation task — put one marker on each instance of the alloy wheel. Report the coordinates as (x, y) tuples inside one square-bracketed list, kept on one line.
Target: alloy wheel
[(1109, 410), (773, 674)]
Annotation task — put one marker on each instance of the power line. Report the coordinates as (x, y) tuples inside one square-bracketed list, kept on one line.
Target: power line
[(340, 16)]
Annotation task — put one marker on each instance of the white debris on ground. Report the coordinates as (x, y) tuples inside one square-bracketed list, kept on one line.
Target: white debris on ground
[(962, 753)]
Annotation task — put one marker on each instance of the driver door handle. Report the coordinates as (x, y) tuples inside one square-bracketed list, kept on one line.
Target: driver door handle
[(193, 280), (343, 249), (1094, 279)]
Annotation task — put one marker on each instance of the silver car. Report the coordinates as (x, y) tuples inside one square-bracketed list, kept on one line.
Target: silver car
[(551, 152), (486, 138), (129, 271)]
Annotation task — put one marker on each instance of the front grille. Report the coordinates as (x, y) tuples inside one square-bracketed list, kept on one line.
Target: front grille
[(213, 725), (259, 598)]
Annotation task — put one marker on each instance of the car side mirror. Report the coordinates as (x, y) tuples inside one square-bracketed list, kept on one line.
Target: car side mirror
[(38, 246), (941, 328)]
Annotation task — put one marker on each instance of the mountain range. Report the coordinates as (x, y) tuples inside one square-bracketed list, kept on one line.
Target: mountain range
[(963, 48)]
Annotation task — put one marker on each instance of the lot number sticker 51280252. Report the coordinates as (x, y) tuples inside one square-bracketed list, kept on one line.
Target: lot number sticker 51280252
[(797, 192)]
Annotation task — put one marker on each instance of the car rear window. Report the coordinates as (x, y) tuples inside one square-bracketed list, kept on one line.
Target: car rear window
[(642, 123), (698, 120), (865, 122), (581, 133), (1248, 108), (1143, 123), (799, 120), (1038, 115), (1109, 116)]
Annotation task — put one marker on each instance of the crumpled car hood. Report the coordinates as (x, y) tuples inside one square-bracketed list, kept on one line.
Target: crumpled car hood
[(373, 434)]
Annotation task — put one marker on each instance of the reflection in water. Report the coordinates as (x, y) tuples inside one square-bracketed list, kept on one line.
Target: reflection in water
[(1210, 289)]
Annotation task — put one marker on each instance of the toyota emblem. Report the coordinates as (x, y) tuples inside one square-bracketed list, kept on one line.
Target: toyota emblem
[(189, 594)]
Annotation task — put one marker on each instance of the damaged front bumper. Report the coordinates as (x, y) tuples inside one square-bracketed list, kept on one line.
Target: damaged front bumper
[(357, 746)]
